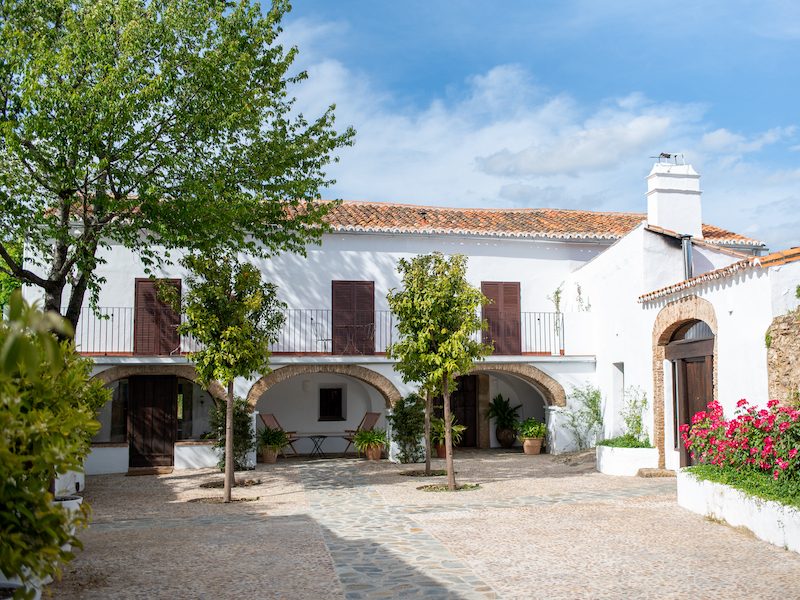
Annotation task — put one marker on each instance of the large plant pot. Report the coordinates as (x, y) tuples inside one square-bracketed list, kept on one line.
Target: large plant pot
[(441, 451), (532, 445), (625, 462), (70, 504), (373, 452), (269, 455), (506, 437), (7, 586)]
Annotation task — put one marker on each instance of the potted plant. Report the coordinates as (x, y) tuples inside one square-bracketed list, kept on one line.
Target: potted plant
[(531, 433), (271, 442), (438, 437), (370, 442), (505, 420)]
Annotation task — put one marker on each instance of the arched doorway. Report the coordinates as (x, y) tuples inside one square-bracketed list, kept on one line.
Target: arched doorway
[(691, 352), (679, 323)]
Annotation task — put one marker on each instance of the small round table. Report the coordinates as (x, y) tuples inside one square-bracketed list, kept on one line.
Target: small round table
[(317, 451)]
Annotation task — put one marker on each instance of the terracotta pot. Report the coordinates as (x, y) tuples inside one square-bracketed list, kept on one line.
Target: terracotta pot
[(532, 445), (506, 437), (269, 454), (441, 451), (373, 452)]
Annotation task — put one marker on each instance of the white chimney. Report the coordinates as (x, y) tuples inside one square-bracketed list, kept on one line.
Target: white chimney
[(673, 199)]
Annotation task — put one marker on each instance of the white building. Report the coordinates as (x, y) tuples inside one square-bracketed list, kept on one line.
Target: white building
[(655, 306)]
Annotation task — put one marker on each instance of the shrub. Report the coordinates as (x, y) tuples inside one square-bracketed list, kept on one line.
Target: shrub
[(586, 414), (243, 438), (531, 428), (504, 416), (763, 441), (633, 414), (437, 431), (408, 428), (272, 438), (368, 438), (48, 404)]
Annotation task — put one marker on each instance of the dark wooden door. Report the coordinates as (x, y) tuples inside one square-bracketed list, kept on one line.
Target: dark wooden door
[(502, 316), (693, 384), (154, 322), (353, 317), (464, 405), (152, 425)]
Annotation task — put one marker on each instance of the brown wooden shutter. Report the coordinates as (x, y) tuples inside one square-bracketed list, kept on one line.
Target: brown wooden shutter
[(511, 318), (155, 322), (502, 316), (353, 317)]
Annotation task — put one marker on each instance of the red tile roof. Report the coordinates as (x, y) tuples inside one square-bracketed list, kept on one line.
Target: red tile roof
[(763, 262), (524, 222)]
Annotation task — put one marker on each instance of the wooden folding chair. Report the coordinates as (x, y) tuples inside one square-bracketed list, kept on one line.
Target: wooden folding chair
[(367, 423), (271, 422)]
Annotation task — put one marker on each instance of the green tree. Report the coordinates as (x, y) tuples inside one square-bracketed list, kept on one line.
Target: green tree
[(408, 426), (235, 316), (8, 283), (437, 315), (155, 124), (48, 404)]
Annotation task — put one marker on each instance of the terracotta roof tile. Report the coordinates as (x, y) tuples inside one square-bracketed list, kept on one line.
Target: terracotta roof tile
[(524, 222)]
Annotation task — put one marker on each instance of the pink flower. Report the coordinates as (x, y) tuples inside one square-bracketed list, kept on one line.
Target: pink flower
[(741, 403), (772, 403), (792, 452)]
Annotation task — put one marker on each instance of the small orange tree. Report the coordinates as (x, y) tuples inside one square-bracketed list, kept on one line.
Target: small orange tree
[(235, 316), (437, 314)]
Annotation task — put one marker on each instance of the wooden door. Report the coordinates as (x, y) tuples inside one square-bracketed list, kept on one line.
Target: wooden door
[(502, 316), (154, 322), (353, 317), (693, 384), (152, 425), (464, 405)]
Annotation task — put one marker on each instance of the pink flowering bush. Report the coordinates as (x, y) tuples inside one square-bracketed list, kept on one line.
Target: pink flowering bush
[(763, 442)]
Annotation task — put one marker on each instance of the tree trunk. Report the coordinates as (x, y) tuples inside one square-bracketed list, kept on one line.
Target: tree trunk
[(428, 409), (226, 496), (448, 435)]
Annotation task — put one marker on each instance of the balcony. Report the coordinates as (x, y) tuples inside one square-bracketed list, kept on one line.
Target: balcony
[(125, 331)]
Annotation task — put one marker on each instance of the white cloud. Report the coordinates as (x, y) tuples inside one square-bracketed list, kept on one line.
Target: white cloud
[(507, 141), (584, 149)]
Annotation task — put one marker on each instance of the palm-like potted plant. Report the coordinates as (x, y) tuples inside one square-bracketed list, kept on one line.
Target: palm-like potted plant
[(505, 420), (531, 433), (438, 434), (370, 442), (271, 442)]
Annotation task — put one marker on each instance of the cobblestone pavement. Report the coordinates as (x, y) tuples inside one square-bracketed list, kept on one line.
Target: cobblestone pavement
[(540, 528)]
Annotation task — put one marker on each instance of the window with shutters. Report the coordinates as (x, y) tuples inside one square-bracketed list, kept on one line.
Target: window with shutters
[(154, 322), (502, 316), (353, 317), (331, 404)]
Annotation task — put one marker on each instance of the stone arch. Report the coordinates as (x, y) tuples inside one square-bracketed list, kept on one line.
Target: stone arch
[(673, 316), (182, 371), (552, 391), (385, 387)]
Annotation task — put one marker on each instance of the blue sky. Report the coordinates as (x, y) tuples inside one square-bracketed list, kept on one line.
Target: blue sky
[(560, 104)]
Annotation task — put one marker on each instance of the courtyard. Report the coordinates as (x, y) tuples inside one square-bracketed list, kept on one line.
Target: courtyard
[(540, 527)]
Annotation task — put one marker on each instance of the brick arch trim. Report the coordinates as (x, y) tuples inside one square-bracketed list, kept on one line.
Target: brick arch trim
[(669, 319), (182, 371), (553, 392), (385, 387)]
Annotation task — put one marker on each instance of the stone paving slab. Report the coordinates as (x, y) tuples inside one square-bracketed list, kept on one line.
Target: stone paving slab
[(544, 528)]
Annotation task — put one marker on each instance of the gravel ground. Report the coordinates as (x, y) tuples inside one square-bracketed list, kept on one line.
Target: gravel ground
[(541, 527)]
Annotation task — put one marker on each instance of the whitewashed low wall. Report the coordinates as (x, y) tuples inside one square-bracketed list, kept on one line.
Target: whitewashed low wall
[(195, 455), (625, 461), (107, 459), (769, 521)]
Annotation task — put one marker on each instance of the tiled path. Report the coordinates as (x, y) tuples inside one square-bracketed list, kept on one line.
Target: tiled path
[(345, 529)]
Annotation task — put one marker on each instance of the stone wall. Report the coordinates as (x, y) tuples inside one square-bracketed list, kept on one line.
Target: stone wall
[(783, 357)]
